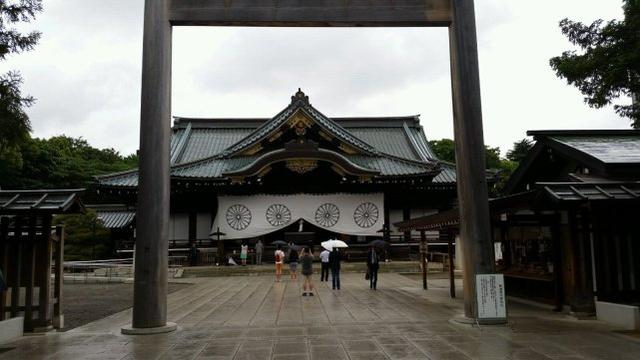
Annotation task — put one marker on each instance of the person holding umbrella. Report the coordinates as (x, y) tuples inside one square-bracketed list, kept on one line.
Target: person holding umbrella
[(334, 264), (373, 265)]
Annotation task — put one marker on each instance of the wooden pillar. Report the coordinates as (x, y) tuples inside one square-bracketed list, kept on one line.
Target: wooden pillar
[(452, 279), (406, 215), (193, 227), (58, 313), (423, 256), (556, 250), (470, 158), (150, 282), (583, 301), (44, 301), (17, 268), (4, 244), (386, 227), (30, 265)]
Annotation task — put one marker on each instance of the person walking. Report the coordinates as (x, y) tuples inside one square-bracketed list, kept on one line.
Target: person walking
[(193, 254), (324, 261), (293, 263), (258, 249), (279, 259), (307, 271), (244, 249), (334, 264), (373, 265)]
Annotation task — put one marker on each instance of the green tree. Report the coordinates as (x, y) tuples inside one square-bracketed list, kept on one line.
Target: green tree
[(520, 150), (445, 150), (14, 122), (62, 162), (608, 65), (86, 237)]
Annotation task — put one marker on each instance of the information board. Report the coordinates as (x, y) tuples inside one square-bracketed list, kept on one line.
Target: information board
[(490, 297)]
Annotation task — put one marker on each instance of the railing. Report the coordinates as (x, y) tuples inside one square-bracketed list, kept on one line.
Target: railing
[(110, 270)]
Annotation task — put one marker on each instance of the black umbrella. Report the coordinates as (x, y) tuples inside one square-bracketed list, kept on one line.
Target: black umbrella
[(378, 243), (295, 247), (279, 242), (217, 234)]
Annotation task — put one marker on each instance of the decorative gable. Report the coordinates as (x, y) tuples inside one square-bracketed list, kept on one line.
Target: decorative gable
[(299, 120)]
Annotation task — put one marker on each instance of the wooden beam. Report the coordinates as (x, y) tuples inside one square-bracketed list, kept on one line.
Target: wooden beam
[(31, 271), (17, 269), (44, 302), (152, 220), (58, 319), (473, 198), (316, 13), (4, 245), (452, 278), (423, 256)]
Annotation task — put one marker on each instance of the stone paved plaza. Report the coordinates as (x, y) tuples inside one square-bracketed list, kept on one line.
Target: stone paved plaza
[(252, 317)]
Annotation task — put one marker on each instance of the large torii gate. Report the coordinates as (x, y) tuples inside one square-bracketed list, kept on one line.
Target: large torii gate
[(150, 288)]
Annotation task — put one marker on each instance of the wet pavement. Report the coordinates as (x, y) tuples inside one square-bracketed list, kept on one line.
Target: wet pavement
[(252, 317)]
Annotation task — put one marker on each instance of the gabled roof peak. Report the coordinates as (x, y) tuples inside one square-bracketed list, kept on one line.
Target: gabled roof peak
[(300, 99)]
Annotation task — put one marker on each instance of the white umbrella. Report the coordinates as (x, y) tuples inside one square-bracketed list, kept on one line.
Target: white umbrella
[(330, 244)]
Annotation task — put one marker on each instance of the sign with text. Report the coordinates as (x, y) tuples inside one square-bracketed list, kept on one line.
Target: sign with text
[(490, 297)]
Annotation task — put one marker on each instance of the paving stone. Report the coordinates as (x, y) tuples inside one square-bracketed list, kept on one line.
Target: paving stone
[(253, 354), (403, 351), (361, 346), (255, 318), (391, 339), (288, 348), (368, 356), (328, 352)]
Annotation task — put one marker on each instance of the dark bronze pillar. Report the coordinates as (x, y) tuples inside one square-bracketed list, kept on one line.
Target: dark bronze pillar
[(470, 157)]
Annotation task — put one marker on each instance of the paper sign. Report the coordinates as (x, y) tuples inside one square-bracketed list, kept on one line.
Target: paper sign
[(490, 297)]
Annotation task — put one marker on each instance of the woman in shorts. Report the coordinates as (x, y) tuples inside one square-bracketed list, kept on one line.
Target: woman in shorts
[(279, 257), (306, 260)]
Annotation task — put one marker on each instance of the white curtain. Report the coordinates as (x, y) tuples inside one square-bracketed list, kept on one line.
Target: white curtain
[(251, 216)]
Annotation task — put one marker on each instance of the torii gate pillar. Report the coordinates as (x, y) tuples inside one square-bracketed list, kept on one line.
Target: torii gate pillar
[(150, 289)]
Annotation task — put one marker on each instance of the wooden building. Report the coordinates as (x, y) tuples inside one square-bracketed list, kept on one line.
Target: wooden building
[(299, 176), (566, 232)]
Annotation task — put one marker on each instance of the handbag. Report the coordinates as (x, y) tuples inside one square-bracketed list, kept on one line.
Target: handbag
[(367, 275)]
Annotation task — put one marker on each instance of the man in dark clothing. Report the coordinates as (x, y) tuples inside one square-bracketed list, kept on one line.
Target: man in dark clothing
[(193, 254), (373, 264), (334, 264)]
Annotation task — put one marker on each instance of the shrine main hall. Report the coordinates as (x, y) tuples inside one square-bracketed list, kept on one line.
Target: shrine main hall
[(298, 176)]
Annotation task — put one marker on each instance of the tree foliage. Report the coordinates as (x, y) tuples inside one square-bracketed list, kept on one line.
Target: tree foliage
[(608, 65), (61, 162), (520, 150), (15, 126), (14, 122), (445, 150), (86, 237)]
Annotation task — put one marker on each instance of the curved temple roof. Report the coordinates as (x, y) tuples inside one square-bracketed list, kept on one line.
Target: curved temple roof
[(211, 148)]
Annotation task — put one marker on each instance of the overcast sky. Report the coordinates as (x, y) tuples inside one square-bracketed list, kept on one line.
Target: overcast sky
[(85, 73)]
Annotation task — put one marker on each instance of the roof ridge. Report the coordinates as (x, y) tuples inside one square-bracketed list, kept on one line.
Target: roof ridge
[(299, 102), (116, 174)]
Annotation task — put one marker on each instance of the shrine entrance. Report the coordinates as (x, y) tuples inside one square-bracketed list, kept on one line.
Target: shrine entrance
[(150, 289)]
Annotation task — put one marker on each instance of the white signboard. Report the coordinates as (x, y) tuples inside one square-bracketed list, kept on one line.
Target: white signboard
[(490, 297)]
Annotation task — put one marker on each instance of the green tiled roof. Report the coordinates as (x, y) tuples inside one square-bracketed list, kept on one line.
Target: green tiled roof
[(204, 148)]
